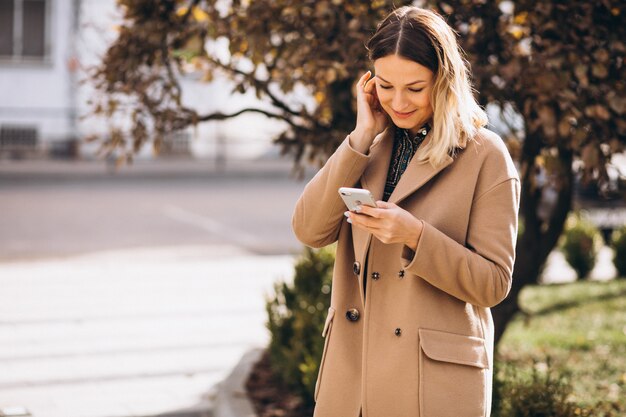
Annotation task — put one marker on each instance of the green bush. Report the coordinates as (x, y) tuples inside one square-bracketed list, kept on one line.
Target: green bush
[(296, 315), (618, 242), (580, 243), (541, 393), (538, 394)]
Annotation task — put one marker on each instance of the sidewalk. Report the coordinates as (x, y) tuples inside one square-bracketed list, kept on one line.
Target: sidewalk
[(161, 168), (130, 333)]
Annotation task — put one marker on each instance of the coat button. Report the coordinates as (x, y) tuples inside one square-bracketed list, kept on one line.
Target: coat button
[(356, 268), (352, 314), (401, 273), (375, 276), (398, 332)]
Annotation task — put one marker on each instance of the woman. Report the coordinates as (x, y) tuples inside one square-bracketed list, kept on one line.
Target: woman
[(409, 331)]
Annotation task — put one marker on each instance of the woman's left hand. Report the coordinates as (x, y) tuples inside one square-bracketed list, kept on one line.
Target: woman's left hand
[(388, 223)]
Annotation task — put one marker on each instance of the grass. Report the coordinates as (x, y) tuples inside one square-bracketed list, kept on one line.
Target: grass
[(577, 329)]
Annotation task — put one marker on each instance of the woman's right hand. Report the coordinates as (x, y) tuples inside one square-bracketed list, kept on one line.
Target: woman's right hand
[(371, 118)]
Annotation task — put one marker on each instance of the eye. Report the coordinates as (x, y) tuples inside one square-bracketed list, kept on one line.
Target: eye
[(385, 87), (415, 90)]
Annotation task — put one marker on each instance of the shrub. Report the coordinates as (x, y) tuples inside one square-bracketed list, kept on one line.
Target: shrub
[(542, 392), (580, 243), (296, 315), (618, 242)]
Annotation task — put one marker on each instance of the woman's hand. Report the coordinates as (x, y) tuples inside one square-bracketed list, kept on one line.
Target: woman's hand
[(389, 223), (371, 118)]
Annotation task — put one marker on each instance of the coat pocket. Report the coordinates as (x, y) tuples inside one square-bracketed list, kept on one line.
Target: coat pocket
[(326, 334), (454, 372)]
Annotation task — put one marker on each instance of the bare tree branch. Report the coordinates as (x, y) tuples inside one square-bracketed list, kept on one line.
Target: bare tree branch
[(258, 84), (224, 116)]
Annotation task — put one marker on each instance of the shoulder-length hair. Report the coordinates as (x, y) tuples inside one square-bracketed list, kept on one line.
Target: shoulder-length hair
[(424, 37)]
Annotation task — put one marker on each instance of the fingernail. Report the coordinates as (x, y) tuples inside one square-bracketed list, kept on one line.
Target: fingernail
[(357, 209), (346, 213), (349, 221)]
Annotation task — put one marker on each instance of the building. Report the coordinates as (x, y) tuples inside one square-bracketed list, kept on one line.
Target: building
[(46, 46), (38, 112)]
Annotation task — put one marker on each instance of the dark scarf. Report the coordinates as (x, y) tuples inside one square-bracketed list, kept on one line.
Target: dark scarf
[(404, 147)]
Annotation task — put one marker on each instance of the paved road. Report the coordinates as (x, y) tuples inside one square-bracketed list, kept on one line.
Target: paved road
[(58, 210), (133, 294)]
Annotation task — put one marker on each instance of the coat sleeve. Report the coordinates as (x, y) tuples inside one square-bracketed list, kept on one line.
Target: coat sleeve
[(319, 211), (480, 272)]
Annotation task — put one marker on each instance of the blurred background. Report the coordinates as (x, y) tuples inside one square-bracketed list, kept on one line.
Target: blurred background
[(151, 153)]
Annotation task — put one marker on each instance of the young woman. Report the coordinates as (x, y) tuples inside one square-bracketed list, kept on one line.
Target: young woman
[(409, 332)]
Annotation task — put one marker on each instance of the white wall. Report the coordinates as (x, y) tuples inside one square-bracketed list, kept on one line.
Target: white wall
[(39, 94)]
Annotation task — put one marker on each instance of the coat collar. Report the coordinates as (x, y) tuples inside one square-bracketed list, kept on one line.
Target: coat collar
[(375, 174), (414, 177)]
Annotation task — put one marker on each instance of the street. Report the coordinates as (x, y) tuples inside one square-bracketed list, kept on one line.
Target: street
[(135, 293), (59, 213)]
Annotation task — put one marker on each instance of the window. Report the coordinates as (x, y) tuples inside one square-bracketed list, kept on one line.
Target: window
[(18, 141), (23, 29)]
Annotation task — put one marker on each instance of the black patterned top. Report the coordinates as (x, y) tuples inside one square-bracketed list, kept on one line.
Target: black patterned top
[(404, 147)]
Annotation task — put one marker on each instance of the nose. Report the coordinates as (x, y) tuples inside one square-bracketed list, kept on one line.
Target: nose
[(399, 102)]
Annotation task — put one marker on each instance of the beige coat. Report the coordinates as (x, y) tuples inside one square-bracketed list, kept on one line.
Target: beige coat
[(422, 344)]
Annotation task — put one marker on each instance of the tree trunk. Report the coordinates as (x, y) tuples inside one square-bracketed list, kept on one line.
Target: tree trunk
[(539, 237)]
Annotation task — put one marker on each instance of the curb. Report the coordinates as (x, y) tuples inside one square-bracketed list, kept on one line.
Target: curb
[(231, 398), (97, 171)]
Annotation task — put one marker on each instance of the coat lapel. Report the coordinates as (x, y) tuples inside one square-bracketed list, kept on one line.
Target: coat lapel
[(375, 174), (373, 179), (415, 176), (419, 173)]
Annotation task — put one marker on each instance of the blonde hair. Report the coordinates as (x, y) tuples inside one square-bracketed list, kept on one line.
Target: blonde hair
[(424, 37)]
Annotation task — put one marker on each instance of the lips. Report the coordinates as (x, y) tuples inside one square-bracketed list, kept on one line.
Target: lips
[(403, 115)]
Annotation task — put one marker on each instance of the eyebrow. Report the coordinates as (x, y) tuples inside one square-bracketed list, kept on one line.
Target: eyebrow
[(414, 82)]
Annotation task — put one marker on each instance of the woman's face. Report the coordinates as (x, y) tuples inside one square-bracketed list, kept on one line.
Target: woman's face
[(403, 87)]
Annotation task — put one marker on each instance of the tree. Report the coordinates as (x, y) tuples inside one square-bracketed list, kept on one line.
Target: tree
[(558, 64), (275, 46)]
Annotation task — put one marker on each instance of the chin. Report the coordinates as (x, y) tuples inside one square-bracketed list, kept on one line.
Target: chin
[(404, 124)]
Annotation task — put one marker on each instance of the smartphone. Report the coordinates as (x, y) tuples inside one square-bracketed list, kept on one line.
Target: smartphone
[(354, 197)]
